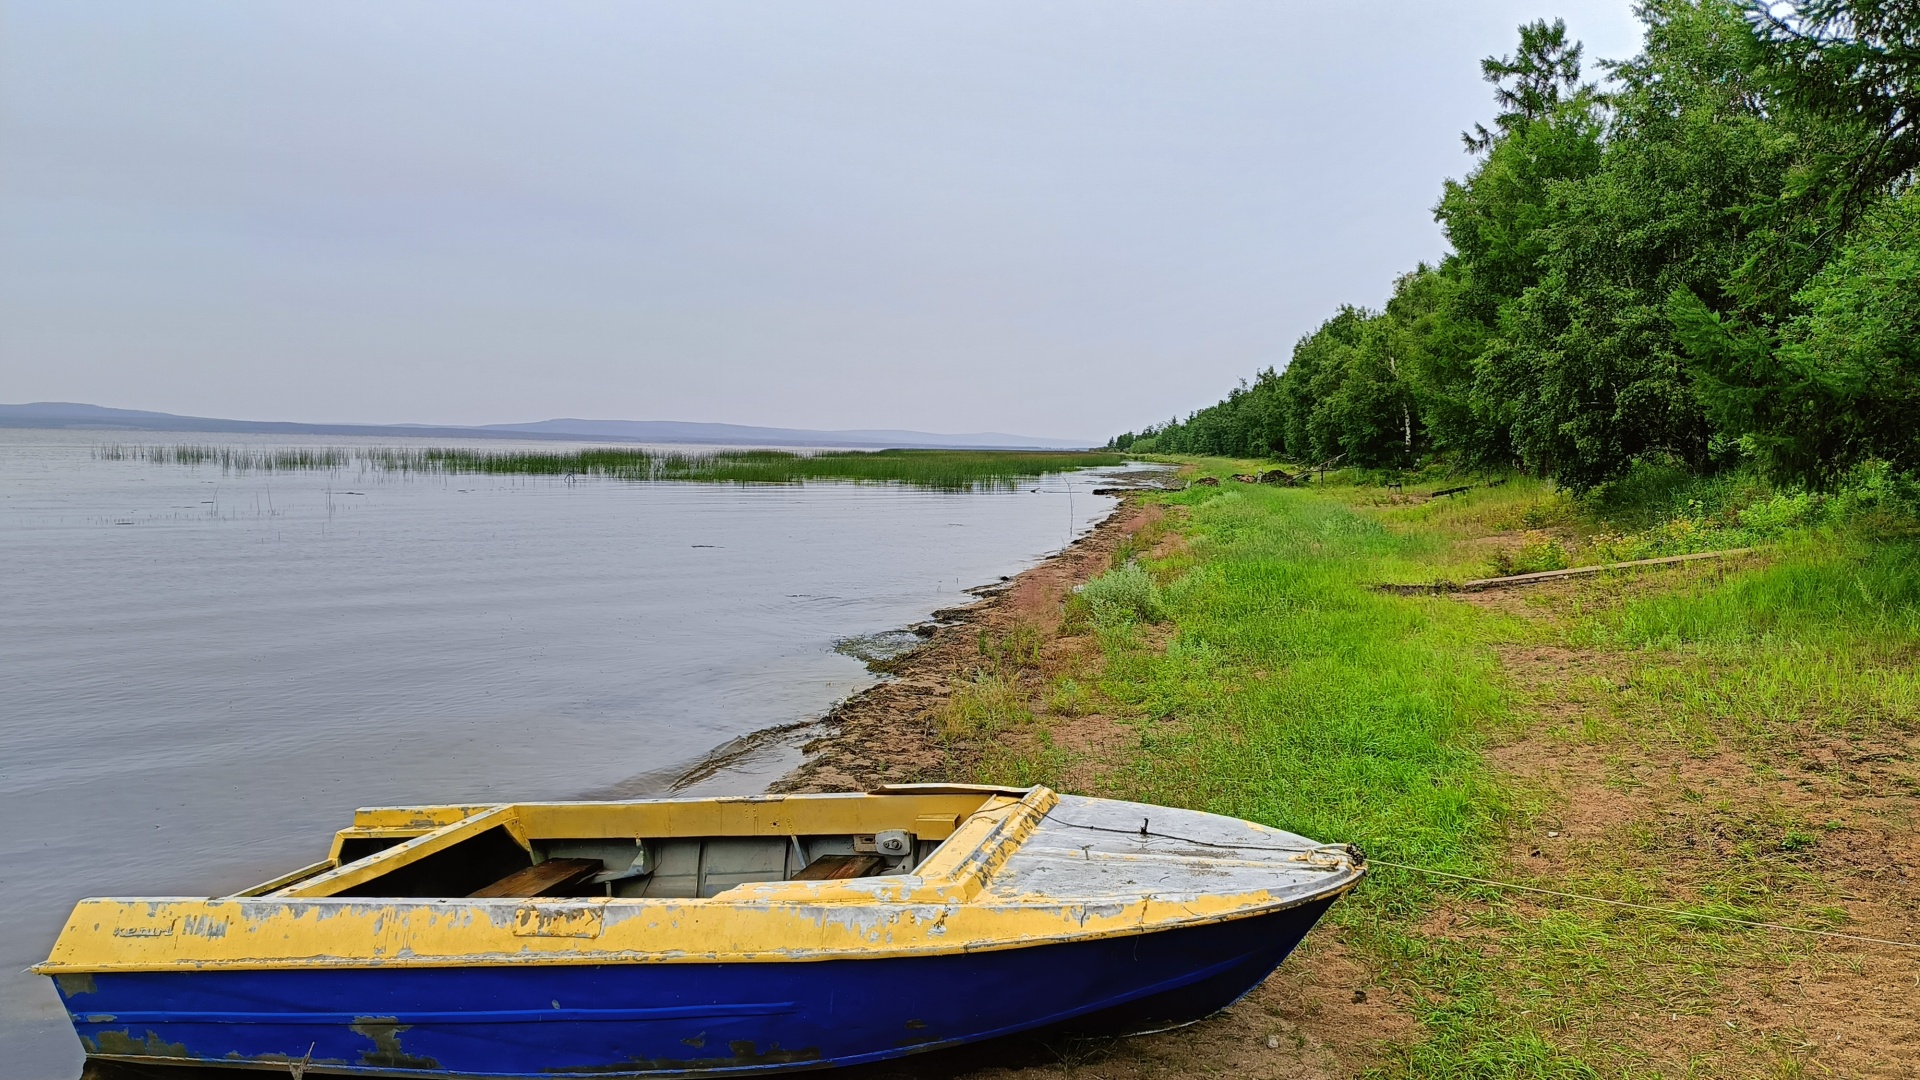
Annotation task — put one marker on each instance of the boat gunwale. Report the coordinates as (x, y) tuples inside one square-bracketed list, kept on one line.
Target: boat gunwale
[(945, 908), (587, 957)]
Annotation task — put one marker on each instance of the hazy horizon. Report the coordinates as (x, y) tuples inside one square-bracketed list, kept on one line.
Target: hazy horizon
[(83, 416), (1061, 221)]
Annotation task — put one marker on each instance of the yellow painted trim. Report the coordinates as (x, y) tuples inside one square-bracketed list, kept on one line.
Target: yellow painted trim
[(267, 933), (769, 815), (364, 870), (982, 844), (422, 818), (285, 880), (398, 822), (337, 853)]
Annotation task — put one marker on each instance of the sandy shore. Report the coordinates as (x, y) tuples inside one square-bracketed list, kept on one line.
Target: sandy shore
[(886, 734)]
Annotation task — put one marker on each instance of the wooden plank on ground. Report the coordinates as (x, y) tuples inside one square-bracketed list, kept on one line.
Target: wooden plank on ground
[(1483, 584), (547, 879)]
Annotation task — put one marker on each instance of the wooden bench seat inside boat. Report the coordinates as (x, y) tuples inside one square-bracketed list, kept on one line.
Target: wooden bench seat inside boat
[(555, 877), (839, 867)]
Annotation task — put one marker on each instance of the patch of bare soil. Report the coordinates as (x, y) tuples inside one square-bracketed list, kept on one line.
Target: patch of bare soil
[(1818, 826)]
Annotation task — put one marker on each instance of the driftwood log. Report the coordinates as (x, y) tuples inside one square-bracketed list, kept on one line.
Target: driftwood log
[(1512, 580)]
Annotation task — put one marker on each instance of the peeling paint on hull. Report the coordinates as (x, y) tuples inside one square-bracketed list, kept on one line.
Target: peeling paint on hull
[(539, 1020), (1026, 909)]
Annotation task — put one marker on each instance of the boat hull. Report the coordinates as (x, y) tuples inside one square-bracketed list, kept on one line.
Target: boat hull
[(670, 1019)]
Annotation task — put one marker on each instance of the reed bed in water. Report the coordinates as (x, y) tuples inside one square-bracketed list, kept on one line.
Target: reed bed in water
[(232, 458), (947, 470)]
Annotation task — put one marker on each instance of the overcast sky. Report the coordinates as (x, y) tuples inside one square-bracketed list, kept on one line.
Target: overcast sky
[(1058, 219)]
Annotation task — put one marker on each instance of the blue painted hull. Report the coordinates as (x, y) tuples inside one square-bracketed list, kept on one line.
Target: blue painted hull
[(672, 1019)]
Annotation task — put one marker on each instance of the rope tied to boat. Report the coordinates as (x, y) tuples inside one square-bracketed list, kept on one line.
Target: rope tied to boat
[(1361, 859)]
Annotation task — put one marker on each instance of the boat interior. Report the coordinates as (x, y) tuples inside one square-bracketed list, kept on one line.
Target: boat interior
[(665, 849)]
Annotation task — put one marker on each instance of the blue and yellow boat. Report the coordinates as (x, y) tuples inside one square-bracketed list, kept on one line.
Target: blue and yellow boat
[(699, 937)]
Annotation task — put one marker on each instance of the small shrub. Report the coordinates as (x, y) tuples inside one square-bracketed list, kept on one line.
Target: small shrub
[(1534, 556), (1779, 513), (1123, 596), (1874, 489), (1553, 508), (1069, 698)]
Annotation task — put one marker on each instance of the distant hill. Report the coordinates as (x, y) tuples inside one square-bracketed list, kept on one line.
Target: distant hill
[(67, 414)]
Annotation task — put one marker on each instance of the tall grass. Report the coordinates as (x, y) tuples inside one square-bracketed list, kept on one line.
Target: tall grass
[(1822, 591), (1820, 639), (1280, 687), (1306, 700), (944, 470), (232, 459)]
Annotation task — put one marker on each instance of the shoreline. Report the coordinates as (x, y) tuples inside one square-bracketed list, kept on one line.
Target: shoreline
[(805, 743), (886, 733), (1532, 710)]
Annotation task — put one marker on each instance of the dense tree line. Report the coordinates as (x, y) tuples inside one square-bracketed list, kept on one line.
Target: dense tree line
[(1711, 255)]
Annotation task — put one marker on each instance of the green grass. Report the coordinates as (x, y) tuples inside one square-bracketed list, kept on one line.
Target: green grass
[(1121, 596), (1818, 640), (1308, 701), (944, 470), (1848, 591), (1280, 687), (1293, 694)]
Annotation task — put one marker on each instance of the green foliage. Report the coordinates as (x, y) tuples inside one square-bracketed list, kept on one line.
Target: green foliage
[(1121, 597), (1714, 258), (1840, 383), (1660, 509), (1533, 557), (1852, 357), (1309, 701), (1854, 65), (986, 703), (1530, 83)]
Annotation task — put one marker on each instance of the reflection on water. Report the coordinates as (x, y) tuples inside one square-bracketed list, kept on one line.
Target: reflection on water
[(201, 675)]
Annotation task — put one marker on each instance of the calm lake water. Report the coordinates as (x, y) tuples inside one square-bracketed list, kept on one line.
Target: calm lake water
[(201, 675)]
